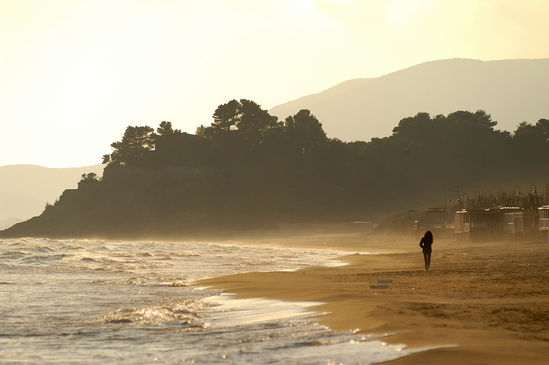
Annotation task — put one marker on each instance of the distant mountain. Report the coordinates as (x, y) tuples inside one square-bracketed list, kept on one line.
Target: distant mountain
[(25, 189), (512, 91), (8, 222)]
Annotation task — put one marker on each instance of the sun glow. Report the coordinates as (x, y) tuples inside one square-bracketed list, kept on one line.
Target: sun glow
[(302, 7), (75, 73), (399, 13)]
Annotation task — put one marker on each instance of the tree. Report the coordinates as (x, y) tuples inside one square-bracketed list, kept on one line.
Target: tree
[(304, 131), (253, 122), (166, 129), (136, 142), (88, 179), (413, 126), (243, 118), (532, 141), (543, 127), (528, 133), (91, 176), (226, 116)]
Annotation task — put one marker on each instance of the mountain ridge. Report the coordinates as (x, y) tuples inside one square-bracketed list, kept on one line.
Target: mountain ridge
[(512, 90)]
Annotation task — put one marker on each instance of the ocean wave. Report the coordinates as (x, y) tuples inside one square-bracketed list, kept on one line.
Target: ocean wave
[(186, 312), (127, 299), (13, 254), (159, 279)]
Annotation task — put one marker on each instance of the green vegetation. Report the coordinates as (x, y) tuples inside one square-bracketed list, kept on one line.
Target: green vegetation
[(247, 170)]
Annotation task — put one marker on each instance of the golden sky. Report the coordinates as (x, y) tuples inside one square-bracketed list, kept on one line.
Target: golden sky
[(75, 73)]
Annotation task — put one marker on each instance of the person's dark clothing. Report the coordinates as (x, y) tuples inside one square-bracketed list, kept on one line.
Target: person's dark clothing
[(426, 243), (427, 258)]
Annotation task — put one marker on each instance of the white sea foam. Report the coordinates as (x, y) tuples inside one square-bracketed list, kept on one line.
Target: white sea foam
[(97, 301)]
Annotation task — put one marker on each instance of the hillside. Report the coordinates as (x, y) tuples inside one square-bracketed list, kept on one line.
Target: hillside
[(25, 189), (511, 90), (247, 170)]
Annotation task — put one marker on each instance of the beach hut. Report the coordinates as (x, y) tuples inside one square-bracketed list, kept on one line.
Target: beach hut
[(483, 224), (462, 224), (486, 223), (518, 224), (544, 221)]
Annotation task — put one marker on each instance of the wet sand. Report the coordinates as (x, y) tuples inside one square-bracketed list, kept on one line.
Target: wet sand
[(490, 299)]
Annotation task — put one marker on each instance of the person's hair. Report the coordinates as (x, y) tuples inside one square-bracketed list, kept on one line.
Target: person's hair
[(428, 234)]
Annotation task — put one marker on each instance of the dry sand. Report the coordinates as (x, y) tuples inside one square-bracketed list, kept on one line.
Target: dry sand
[(491, 299)]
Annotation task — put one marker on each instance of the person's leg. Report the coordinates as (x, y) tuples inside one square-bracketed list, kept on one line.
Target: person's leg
[(425, 258), (428, 260)]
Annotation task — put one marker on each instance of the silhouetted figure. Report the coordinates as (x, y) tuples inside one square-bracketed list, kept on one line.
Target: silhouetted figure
[(426, 243)]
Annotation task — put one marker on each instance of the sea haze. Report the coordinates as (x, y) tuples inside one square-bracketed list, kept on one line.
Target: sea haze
[(90, 301)]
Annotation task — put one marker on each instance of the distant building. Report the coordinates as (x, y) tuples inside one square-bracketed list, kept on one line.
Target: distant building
[(462, 224), (544, 221)]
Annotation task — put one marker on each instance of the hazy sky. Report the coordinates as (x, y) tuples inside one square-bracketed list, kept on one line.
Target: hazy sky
[(74, 74)]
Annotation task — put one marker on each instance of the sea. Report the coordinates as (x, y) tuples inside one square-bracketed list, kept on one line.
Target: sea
[(137, 302)]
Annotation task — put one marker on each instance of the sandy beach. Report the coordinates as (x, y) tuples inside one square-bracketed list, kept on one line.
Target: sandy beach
[(490, 300)]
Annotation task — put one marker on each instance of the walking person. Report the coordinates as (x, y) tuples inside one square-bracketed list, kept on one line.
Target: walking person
[(426, 243)]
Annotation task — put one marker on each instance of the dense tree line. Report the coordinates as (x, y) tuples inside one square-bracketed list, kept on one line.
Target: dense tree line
[(241, 133), (248, 169)]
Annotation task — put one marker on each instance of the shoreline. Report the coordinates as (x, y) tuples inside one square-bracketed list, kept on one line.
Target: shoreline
[(490, 299)]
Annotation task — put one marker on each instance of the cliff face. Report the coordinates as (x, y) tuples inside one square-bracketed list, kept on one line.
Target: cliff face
[(130, 201), (168, 202)]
